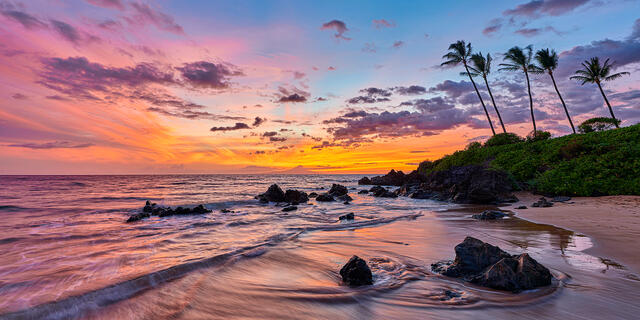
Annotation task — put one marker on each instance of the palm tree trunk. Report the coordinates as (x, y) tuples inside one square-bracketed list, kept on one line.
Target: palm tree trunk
[(562, 100), (608, 104), (479, 97), (533, 118), (494, 104)]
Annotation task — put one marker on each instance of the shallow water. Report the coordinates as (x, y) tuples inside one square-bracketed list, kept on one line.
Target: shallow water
[(65, 252)]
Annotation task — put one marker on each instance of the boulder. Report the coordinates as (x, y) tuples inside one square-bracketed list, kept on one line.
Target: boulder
[(338, 190), (295, 196), (313, 194), (273, 194), (364, 181), (348, 216), (289, 208), (325, 197), (489, 215), (152, 209), (486, 265), (148, 207), (138, 216), (379, 191), (363, 191), (542, 203), (356, 272), (521, 207), (345, 198)]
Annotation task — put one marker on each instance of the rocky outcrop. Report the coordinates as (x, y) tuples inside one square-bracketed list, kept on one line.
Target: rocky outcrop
[(489, 215), (325, 197), (344, 198), (363, 191), (348, 216), (338, 190), (381, 192), (486, 265), (152, 209), (295, 196), (289, 208), (356, 272), (313, 194), (393, 178), (542, 203), (273, 194)]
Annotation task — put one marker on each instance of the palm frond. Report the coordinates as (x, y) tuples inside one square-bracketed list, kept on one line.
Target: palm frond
[(581, 79), (616, 76)]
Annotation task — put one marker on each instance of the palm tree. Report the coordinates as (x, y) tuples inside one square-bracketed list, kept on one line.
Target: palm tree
[(520, 59), (460, 52), (593, 72), (548, 61), (482, 67)]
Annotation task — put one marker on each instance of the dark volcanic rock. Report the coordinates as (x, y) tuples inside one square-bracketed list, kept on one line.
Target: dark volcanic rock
[(138, 216), (363, 191), (364, 181), (348, 216), (325, 197), (379, 191), (289, 208), (356, 272), (295, 196), (489, 215), (521, 207), (489, 266), (313, 194), (344, 197), (542, 203), (153, 209), (273, 194), (470, 184), (394, 178), (338, 190)]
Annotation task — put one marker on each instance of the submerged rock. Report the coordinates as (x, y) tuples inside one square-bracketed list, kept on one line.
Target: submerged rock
[(521, 207), (289, 208), (338, 190), (153, 209), (489, 215), (325, 197), (486, 265), (363, 191), (345, 198), (356, 272), (138, 216), (295, 196), (348, 216), (313, 194), (273, 194), (542, 203), (379, 191)]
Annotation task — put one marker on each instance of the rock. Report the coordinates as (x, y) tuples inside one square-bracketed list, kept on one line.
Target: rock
[(325, 197), (489, 215), (289, 208), (356, 272), (348, 216), (561, 199), (313, 194), (165, 212), (470, 184), (225, 210), (344, 197), (138, 216), (448, 295), (521, 207), (346, 203), (273, 194), (514, 274), (148, 207), (363, 191), (295, 196), (542, 203), (364, 181), (421, 194), (486, 265), (338, 190), (379, 191)]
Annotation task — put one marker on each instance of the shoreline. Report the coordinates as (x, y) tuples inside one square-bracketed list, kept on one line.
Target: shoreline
[(612, 222)]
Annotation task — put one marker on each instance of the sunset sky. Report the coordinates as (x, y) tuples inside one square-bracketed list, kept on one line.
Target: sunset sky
[(120, 87)]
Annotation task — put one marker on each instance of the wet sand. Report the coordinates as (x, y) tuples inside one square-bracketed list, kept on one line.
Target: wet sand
[(613, 223)]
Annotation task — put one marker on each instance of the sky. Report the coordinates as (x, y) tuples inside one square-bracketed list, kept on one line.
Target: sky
[(189, 87)]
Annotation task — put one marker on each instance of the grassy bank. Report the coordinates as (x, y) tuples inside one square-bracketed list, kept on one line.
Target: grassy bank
[(596, 163)]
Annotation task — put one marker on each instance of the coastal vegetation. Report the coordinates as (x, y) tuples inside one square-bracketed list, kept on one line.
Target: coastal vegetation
[(590, 164)]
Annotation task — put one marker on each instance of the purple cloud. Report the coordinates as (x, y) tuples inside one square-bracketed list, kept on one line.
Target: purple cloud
[(113, 4), (28, 21), (337, 25), (205, 74), (237, 126), (410, 91), (144, 14), (382, 23), (398, 44), (258, 121), (493, 27), (538, 8), (52, 145)]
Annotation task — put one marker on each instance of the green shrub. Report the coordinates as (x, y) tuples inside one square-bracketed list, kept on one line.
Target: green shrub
[(539, 136), (598, 124), (501, 139), (473, 145)]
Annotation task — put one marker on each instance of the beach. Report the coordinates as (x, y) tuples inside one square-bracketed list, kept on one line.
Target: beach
[(613, 222)]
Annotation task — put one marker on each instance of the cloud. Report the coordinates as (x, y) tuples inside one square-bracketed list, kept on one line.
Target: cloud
[(293, 98), (538, 8), (52, 145), (373, 95), (66, 30), (452, 89), (258, 121), (292, 95), (19, 96), (382, 23), (144, 14), (635, 34), (369, 47), (532, 32), (113, 4), (337, 25), (205, 74), (411, 90), (494, 26), (398, 44), (277, 139), (237, 126), (28, 21)]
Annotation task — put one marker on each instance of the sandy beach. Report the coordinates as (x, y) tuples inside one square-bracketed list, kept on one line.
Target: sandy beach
[(613, 223)]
